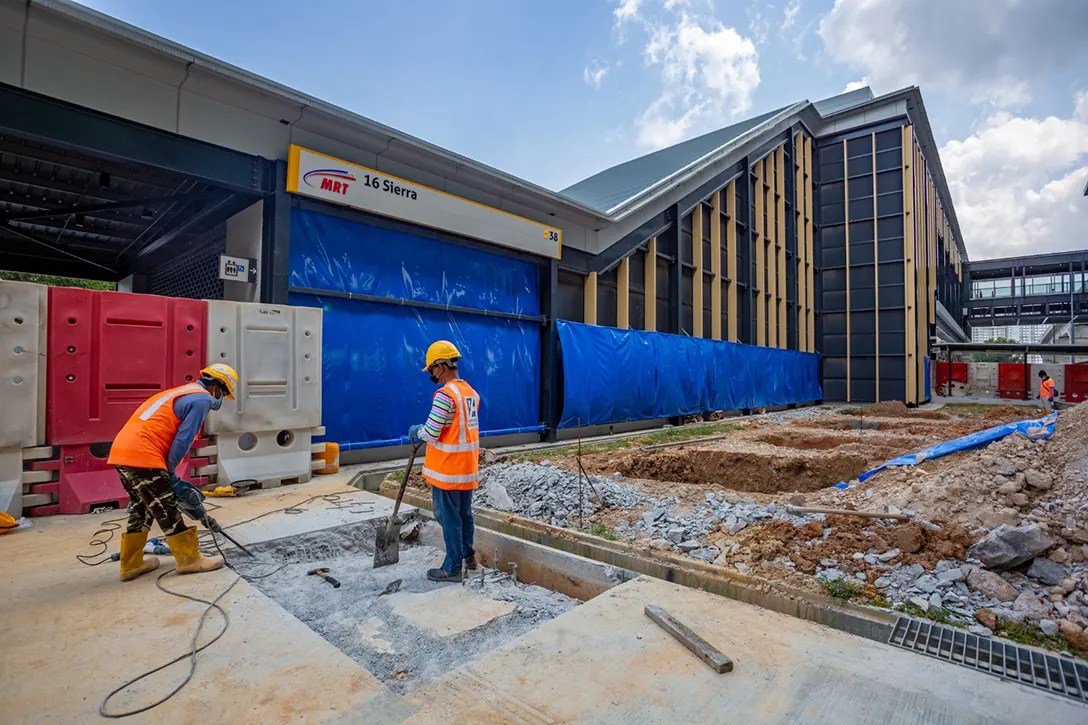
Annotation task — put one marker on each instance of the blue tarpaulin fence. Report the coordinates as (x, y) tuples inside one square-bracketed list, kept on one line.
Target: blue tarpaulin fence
[(372, 384), (613, 376), (1033, 429)]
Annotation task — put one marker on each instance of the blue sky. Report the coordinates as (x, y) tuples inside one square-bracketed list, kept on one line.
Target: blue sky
[(553, 91)]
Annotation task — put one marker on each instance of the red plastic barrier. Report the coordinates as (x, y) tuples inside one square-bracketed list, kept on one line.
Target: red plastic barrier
[(111, 351), (959, 375), (1010, 380), (85, 481), (1076, 382)]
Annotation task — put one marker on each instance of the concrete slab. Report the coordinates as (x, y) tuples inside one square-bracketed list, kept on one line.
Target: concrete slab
[(72, 633), (606, 662), (448, 611)]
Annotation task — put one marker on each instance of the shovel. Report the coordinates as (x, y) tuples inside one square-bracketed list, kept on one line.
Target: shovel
[(387, 538)]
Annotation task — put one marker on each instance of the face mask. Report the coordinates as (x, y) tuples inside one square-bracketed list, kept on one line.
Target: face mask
[(434, 378), (217, 403)]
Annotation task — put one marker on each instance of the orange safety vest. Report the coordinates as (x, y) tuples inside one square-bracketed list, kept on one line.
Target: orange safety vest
[(1046, 388), (452, 462), (146, 438)]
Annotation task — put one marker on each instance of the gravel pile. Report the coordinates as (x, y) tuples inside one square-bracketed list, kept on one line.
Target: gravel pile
[(550, 494), (688, 533)]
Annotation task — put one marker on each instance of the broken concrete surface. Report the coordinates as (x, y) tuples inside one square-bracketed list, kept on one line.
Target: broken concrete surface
[(416, 634)]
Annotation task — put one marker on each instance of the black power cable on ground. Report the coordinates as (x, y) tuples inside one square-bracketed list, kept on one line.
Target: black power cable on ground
[(113, 525)]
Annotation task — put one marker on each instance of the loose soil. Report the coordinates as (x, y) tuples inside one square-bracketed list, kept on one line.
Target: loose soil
[(759, 472), (918, 544)]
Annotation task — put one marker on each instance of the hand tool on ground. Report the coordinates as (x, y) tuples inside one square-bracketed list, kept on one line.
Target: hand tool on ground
[(323, 572), (391, 588), (191, 502), (221, 492), (387, 538)]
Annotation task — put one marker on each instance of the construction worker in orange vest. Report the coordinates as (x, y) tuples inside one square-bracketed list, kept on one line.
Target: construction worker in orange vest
[(146, 454), (1047, 392), (452, 435)]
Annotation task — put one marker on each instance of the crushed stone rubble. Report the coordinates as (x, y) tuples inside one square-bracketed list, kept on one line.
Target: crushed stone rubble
[(544, 492), (1020, 505)]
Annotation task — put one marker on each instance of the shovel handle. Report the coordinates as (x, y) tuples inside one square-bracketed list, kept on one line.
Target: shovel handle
[(403, 486)]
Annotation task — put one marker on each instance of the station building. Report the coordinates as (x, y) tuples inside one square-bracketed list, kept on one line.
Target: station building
[(821, 227)]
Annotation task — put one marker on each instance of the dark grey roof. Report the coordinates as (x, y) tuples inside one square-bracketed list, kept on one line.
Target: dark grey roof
[(607, 189), (843, 101)]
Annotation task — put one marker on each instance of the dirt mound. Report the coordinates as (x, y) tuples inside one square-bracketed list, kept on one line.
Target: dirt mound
[(1009, 412), (740, 471), (806, 545), (897, 409), (1012, 481)]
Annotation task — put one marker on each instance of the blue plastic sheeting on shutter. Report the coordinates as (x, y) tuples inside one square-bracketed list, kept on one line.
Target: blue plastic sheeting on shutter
[(349, 256), (372, 360), (926, 393), (612, 375)]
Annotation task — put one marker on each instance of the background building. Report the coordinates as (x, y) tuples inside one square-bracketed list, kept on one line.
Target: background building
[(822, 227)]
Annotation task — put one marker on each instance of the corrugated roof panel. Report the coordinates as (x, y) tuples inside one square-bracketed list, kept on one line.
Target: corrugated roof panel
[(612, 186)]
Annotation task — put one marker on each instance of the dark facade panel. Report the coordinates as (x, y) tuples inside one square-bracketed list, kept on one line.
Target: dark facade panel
[(570, 302)]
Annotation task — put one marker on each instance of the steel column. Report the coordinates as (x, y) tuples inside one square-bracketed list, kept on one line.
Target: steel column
[(276, 240)]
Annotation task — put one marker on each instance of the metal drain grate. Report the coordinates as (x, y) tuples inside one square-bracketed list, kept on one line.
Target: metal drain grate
[(1059, 675)]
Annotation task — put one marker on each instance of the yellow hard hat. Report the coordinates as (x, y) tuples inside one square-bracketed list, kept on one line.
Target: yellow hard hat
[(441, 350), (224, 374)]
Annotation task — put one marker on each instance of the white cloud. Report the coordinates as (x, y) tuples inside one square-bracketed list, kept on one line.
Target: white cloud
[(758, 26), (708, 70), (988, 50), (789, 14), (1017, 184), (625, 12), (855, 85), (1080, 101), (594, 73)]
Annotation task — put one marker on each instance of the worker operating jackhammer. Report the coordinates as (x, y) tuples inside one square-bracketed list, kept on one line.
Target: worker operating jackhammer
[(146, 454), (451, 466)]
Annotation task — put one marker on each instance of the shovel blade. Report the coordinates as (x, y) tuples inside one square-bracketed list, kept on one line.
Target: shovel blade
[(387, 546)]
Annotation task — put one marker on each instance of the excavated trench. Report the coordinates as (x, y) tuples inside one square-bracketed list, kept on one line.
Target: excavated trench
[(745, 471)]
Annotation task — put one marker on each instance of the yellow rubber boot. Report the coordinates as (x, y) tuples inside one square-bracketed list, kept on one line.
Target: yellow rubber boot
[(133, 561), (186, 551)]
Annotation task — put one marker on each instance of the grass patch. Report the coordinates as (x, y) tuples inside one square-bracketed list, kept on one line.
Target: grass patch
[(1022, 633), (844, 589), (940, 616), (875, 598), (668, 435), (850, 411), (599, 529)]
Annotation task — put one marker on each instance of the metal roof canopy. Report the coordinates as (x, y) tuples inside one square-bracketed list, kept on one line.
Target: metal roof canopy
[(87, 195), (1010, 347)]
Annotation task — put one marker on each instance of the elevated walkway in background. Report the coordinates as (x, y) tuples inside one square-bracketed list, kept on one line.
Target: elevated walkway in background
[(1031, 290)]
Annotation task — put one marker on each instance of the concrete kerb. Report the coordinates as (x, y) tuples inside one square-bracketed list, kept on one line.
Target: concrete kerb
[(874, 624)]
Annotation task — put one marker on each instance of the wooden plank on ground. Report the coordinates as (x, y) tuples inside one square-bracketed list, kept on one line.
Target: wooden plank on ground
[(699, 646)]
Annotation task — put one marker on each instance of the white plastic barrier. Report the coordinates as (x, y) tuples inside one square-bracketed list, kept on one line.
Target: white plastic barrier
[(23, 322), (276, 350), (24, 317), (273, 458), (982, 380)]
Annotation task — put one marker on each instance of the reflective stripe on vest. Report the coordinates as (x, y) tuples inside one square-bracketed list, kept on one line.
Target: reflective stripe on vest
[(145, 440), (461, 446), (452, 461)]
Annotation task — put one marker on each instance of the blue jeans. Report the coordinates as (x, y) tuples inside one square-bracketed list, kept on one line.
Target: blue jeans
[(453, 512)]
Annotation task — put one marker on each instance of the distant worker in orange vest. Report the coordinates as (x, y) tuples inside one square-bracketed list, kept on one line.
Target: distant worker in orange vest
[(1047, 392), (146, 454), (451, 466)]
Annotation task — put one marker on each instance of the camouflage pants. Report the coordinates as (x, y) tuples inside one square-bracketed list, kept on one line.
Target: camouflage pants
[(152, 496)]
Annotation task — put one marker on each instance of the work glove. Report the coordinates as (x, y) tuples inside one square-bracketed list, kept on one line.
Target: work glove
[(413, 435)]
